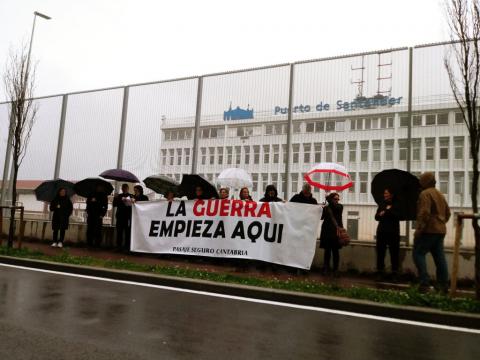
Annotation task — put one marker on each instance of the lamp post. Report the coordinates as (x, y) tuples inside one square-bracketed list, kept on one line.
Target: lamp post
[(35, 14)]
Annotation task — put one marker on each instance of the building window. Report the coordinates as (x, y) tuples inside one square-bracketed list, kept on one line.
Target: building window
[(459, 179), (443, 144), (389, 150), (390, 122), (359, 124), (364, 150), (310, 127), (284, 184), (255, 182), (458, 142), (244, 131), (442, 119), (368, 124), (383, 123), (279, 129), (340, 151), (275, 180), (404, 121), (220, 155), (264, 180), (266, 154), (319, 126), (268, 129), (284, 153), (276, 154), (430, 119), (459, 118), (352, 151), (376, 146), (402, 149), (294, 183), (318, 152), (164, 157), (353, 124), (172, 154), (443, 179), (417, 120), (352, 188), (306, 153), (238, 155), (363, 182), (203, 151), (429, 149), (375, 123), (328, 152), (229, 155), (179, 156), (296, 153), (256, 154), (330, 126), (186, 151), (416, 146), (246, 149), (297, 127)]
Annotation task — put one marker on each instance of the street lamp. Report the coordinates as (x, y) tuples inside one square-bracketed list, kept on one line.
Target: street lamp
[(35, 14)]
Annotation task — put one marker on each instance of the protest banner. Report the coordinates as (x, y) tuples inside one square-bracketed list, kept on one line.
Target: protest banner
[(281, 233)]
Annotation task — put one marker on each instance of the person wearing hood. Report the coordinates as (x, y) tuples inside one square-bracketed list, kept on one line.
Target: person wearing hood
[(305, 196), (62, 208), (432, 215), (271, 194), (388, 232), (332, 219)]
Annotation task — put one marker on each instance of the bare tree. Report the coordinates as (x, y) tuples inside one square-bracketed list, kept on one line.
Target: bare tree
[(19, 79), (463, 67)]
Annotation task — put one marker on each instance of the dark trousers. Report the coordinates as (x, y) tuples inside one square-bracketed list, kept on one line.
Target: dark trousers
[(392, 241), (94, 230), (329, 251), (123, 235), (55, 235), (431, 243)]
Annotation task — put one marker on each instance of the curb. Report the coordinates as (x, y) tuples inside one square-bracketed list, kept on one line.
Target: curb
[(411, 313)]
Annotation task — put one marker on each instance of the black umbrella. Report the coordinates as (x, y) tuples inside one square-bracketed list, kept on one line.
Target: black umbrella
[(47, 190), (162, 184), (405, 188), (190, 182), (89, 186), (119, 175)]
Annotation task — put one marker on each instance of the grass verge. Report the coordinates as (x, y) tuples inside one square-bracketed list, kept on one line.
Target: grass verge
[(409, 297)]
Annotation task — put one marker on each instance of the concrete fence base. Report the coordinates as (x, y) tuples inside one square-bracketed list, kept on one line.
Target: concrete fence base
[(358, 256)]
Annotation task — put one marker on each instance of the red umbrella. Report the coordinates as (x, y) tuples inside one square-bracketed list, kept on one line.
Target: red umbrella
[(329, 177)]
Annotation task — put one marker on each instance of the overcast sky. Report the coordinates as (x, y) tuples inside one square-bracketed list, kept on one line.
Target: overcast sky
[(92, 44)]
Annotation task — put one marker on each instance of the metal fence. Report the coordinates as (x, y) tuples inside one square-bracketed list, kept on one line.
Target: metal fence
[(370, 111)]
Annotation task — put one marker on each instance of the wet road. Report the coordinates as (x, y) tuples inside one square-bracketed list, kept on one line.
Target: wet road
[(52, 316)]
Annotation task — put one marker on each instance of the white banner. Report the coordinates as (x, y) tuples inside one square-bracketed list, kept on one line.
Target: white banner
[(281, 233)]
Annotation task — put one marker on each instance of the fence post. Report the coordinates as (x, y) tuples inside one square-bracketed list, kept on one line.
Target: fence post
[(289, 131), (198, 114), (8, 156), (456, 251), (61, 132), (409, 129)]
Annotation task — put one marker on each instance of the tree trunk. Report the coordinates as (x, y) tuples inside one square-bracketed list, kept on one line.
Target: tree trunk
[(11, 231), (475, 225)]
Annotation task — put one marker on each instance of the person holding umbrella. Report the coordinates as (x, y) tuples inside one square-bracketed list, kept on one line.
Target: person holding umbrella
[(97, 205), (332, 219), (138, 193), (388, 233), (61, 207), (123, 203)]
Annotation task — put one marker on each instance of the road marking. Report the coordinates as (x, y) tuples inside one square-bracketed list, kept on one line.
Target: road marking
[(260, 301)]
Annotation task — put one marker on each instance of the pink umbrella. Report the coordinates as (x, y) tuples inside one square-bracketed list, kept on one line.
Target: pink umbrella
[(329, 177)]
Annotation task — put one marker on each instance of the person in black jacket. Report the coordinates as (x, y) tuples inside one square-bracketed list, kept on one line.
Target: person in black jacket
[(332, 218), (138, 193), (388, 232), (62, 208), (97, 206), (305, 196), (271, 194), (123, 203)]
